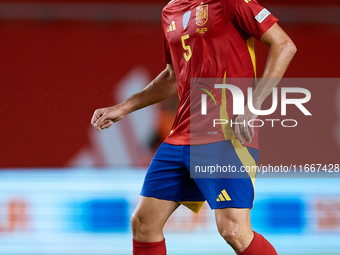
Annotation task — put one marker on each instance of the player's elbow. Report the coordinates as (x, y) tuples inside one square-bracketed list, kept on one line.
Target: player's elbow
[(171, 76), (289, 47)]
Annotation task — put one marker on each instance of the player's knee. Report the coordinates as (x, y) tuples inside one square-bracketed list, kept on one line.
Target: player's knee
[(229, 230), (139, 225), (230, 234), (134, 222)]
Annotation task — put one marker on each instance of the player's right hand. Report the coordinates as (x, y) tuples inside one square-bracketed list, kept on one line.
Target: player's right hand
[(245, 131), (105, 117)]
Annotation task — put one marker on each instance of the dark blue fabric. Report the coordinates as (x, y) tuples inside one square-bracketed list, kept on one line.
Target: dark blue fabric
[(169, 178)]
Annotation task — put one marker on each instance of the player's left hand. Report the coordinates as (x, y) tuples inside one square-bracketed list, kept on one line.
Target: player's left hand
[(243, 129)]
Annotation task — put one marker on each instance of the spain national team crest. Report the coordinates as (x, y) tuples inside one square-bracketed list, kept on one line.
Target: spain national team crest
[(201, 15)]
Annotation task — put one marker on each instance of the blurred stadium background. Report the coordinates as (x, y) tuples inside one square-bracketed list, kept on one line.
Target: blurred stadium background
[(67, 189)]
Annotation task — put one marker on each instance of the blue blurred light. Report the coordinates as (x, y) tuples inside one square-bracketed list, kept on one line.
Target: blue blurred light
[(105, 215)]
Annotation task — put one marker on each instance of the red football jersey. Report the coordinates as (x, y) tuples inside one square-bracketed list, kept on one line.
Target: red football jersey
[(210, 39)]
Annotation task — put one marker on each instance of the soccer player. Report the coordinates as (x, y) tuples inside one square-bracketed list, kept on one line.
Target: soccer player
[(205, 39)]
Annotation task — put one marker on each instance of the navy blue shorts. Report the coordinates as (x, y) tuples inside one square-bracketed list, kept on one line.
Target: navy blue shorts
[(169, 176)]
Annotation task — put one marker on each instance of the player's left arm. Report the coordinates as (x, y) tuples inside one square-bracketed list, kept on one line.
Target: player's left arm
[(281, 52)]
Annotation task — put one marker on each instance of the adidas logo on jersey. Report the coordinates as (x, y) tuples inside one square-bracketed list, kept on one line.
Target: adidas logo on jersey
[(172, 26), (223, 196)]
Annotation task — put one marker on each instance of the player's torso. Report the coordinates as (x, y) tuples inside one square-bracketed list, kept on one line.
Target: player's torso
[(203, 43), (197, 35)]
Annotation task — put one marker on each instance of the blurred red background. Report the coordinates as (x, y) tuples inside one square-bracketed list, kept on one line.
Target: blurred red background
[(56, 72)]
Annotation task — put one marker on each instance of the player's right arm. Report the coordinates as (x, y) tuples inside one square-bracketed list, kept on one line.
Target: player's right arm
[(162, 87)]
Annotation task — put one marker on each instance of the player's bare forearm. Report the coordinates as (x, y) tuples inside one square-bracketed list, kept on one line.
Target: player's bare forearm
[(281, 52), (163, 86)]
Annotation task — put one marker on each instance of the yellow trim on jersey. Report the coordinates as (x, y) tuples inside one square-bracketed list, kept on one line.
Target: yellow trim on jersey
[(251, 49), (242, 152), (226, 128), (246, 159), (193, 205)]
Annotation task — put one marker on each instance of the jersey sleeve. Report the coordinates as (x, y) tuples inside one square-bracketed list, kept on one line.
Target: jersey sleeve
[(249, 15), (166, 51)]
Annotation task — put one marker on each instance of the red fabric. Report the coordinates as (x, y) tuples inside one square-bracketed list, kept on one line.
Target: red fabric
[(259, 246), (143, 248), (208, 41), (243, 14), (166, 51)]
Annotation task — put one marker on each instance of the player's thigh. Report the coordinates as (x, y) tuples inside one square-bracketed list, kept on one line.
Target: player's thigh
[(168, 179), (153, 212)]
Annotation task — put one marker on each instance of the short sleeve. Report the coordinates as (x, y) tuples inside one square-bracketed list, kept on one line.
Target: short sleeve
[(166, 51), (249, 15)]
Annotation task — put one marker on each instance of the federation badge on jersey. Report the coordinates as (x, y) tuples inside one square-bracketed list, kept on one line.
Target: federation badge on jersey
[(201, 15), (186, 18)]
